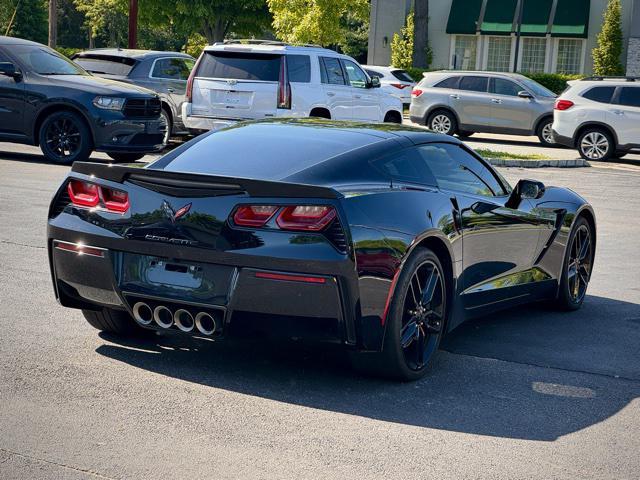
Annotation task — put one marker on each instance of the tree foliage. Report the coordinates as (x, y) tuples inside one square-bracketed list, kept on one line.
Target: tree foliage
[(324, 22), (30, 21), (402, 45), (606, 56)]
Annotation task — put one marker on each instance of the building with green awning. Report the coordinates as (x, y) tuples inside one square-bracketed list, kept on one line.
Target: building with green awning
[(555, 35)]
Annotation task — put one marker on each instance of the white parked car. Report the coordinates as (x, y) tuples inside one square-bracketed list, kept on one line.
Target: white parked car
[(235, 81), (394, 81), (600, 116)]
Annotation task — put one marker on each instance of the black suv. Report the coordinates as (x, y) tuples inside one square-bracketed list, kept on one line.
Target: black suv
[(47, 100)]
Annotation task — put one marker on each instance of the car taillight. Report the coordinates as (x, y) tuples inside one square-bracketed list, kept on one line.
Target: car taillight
[(311, 218), (86, 194), (563, 104), (83, 194), (416, 92), (284, 87), (115, 200), (192, 76), (253, 215), (399, 85)]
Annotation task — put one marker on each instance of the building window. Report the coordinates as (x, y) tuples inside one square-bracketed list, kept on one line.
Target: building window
[(534, 51), (499, 54), (569, 55), (465, 52)]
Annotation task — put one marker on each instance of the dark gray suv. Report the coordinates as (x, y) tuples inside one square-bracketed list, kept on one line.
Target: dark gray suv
[(455, 102), (47, 100), (165, 73)]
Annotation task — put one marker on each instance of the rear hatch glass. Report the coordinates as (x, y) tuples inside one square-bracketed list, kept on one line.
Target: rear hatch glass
[(240, 66), (106, 65), (402, 76)]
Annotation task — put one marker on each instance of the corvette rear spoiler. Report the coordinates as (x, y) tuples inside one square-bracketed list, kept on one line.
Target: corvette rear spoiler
[(190, 185)]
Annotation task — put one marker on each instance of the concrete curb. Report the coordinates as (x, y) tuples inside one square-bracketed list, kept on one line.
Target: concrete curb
[(502, 162)]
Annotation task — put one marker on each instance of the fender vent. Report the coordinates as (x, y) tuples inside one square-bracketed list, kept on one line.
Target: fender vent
[(60, 203), (335, 234)]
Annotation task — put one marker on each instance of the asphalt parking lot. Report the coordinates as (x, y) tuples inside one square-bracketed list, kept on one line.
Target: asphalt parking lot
[(527, 393)]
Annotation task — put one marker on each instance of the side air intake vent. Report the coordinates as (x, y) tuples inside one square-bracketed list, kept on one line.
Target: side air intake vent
[(335, 234)]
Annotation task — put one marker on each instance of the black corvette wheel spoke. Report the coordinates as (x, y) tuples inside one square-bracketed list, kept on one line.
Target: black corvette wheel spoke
[(423, 315), (579, 264), (63, 137)]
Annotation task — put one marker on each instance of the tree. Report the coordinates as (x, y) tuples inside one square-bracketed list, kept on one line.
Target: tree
[(323, 22), (402, 45), (30, 21), (421, 50), (606, 56), (53, 23), (106, 20)]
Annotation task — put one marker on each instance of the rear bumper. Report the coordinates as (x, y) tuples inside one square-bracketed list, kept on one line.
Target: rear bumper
[(562, 139), (124, 135), (309, 299)]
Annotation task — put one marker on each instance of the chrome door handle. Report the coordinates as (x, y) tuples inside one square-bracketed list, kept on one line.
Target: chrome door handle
[(358, 96), (171, 90), (457, 97), (496, 100), (331, 94)]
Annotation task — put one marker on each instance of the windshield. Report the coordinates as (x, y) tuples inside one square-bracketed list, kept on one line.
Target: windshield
[(536, 88), (44, 61)]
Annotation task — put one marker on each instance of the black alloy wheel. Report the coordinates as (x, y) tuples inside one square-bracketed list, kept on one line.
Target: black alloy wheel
[(64, 138), (423, 315), (578, 266)]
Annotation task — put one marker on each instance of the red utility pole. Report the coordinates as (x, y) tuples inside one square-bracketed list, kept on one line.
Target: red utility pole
[(133, 23)]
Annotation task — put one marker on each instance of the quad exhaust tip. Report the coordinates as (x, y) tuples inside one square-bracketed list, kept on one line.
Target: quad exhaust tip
[(142, 313), (184, 320), (205, 323), (163, 316)]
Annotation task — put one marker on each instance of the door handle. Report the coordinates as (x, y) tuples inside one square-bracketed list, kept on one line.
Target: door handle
[(331, 94), (171, 90), (358, 96), (454, 96), (496, 100), (618, 112)]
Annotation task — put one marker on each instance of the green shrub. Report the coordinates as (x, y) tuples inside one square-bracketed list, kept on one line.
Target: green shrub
[(556, 82), (606, 56), (402, 45)]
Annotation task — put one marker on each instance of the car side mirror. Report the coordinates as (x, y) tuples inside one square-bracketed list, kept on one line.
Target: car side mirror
[(375, 83), (526, 189), (8, 69), (524, 94)]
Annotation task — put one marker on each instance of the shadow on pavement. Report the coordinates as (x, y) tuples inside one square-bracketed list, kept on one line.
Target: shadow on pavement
[(463, 393)]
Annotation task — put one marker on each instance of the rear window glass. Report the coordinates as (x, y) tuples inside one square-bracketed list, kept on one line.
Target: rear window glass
[(630, 96), (474, 84), (240, 66), (451, 82), (299, 68), (106, 65), (402, 76), (373, 73), (172, 68), (600, 94), (266, 151), (405, 166)]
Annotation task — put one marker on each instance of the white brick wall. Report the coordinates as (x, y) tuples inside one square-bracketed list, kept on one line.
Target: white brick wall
[(633, 57)]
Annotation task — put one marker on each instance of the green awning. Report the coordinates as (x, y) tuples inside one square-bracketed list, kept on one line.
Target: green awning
[(535, 17), (571, 19), (498, 17), (463, 16)]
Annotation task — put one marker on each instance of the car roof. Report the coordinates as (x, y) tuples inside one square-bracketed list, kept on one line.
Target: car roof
[(270, 47), (381, 68), (17, 41), (477, 72), (132, 53)]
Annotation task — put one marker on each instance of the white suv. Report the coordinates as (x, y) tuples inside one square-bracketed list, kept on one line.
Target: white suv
[(245, 81), (600, 116)]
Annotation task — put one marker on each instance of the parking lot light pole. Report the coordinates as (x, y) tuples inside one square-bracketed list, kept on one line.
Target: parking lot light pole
[(518, 31), (133, 23)]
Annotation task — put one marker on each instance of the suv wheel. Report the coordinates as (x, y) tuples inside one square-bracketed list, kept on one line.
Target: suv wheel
[(545, 134), (595, 144), (65, 138), (442, 121), (167, 119)]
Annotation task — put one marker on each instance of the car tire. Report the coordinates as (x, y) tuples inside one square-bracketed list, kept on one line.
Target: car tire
[(65, 138), (595, 144), (575, 276), (411, 341), (117, 322), (164, 114), (125, 157), (464, 133), (393, 117), (442, 121), (545, 133)]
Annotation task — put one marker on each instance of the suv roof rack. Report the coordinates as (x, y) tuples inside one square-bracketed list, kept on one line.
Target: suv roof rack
[(253, 41), (602, 77)]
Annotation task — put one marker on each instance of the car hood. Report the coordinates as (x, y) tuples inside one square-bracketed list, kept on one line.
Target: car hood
[(100, 86)]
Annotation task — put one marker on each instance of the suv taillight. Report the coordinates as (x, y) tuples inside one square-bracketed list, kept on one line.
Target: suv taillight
[(85, 194), (192, 76), (563, 104), (284, 87), (416, 92)]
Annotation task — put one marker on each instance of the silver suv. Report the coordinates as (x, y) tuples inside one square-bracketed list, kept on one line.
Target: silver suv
[(466, 102)]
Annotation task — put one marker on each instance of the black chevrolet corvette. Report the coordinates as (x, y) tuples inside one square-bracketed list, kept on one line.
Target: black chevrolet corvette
[(381, 238)]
